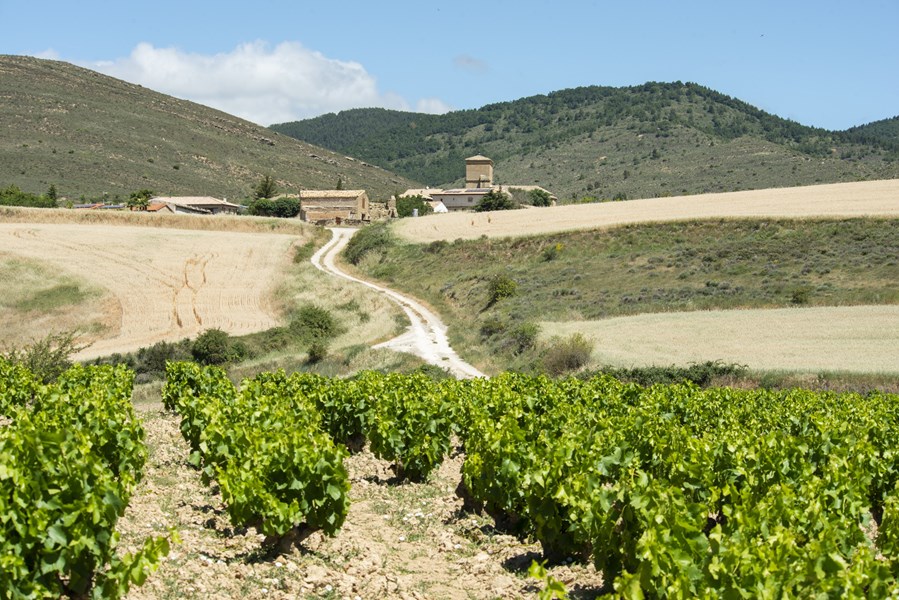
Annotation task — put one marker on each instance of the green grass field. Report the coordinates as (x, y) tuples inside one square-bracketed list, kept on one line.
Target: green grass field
[(641, 269)]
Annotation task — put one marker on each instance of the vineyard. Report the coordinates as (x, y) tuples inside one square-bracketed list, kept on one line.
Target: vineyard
[(71, 455), (670, 491)]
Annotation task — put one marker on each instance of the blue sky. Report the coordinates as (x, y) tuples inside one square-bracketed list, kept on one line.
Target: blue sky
[(823, 63)]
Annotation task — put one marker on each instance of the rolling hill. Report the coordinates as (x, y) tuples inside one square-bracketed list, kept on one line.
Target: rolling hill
[(656, 139), (99, 137)]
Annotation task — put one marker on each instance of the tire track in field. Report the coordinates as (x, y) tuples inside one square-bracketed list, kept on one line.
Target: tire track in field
[(169, 284)]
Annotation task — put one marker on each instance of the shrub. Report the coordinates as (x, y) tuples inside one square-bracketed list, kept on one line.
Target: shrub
[(701, 374), (284, 208), (567, 355), (46, 358), (436, 246), (523, 337), (501, 286), (214, 347), (492, 326), (313, 323), (150, 361), (552, 252), (318, 350), (368, 239), (800, 296)]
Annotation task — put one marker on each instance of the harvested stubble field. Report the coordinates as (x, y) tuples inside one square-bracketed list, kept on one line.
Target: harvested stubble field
[(867, 198), (861, 339), (161, 284)]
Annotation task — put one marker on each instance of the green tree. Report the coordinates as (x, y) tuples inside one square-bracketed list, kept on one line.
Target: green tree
[(139, 199), (495, 200), (51, 193), (13, 196), (538, 197), (47, 358), (339, 185), (281, 207), (406, 204), (266, 188)]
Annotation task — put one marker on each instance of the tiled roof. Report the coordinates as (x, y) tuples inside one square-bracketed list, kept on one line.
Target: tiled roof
[(310, 194), (194, 201)]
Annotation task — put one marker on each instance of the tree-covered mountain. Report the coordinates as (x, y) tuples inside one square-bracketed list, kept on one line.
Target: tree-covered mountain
[(92, 135), (883, 133), (650, 140)]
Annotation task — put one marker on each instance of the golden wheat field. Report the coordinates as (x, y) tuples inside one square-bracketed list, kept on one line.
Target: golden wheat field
[(155, 284), (863, 339), (867, 198)]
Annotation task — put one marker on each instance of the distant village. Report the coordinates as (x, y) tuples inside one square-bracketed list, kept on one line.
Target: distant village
[(352, 207)]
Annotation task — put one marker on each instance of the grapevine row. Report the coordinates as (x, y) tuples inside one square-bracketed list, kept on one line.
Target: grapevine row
[(672, 491), (71, 454)]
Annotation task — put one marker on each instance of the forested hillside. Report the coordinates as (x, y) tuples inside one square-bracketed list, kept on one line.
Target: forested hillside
[(650, 140)]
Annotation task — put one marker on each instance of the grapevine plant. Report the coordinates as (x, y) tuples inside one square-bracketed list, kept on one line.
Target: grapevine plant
[(71, 454)]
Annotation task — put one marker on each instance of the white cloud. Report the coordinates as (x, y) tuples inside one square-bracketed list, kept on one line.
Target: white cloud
[(435, 106), (48, 54), (257, 82)]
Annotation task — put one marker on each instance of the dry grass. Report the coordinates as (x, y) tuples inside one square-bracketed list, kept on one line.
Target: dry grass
[(861, 339), (37, 298), (868, 198), (232, 223)]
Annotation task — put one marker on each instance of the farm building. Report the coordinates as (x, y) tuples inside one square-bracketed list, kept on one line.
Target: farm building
[(461, 199), (196, 205), (478, 172), (478, 183), (334, 205), (427, 194)]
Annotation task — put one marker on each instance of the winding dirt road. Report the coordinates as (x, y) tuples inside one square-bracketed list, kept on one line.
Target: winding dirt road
[(425, 337)]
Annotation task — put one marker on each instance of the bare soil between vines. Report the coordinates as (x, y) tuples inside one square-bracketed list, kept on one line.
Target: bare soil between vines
[(400, 540)]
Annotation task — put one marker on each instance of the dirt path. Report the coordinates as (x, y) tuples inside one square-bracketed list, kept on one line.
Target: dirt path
[(426, 335), (168, 284), (866, 198)]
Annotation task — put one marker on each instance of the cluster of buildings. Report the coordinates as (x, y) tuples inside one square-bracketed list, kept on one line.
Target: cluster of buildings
[(353, 206), (478, 183)]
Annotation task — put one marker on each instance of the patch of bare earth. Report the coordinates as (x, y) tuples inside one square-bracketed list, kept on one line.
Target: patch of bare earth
[(409, 540), (866, 198)]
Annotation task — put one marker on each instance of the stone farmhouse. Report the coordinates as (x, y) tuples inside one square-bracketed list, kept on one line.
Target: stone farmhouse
[(338, 206), (478, 183)]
